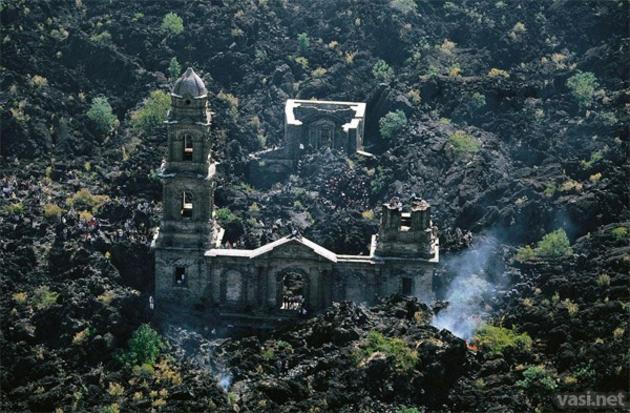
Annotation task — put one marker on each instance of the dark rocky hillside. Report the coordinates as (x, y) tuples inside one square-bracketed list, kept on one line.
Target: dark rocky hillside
[(517, 125)]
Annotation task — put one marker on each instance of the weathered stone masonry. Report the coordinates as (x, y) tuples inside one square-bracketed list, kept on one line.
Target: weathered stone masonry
[(292, 275)]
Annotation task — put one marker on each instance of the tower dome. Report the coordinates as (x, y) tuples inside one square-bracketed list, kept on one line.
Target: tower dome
[(189, 85)]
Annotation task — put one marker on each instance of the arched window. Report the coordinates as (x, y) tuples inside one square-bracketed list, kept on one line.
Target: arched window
[(292, 295), (188, 148), (187, 205)]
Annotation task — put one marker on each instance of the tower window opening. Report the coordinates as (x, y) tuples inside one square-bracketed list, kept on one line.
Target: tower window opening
[(180, 276), (187, 205), (188, 148), (406, 286)]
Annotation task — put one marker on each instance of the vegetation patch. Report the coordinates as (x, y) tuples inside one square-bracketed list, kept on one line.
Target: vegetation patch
[(101, 114), (463, 143), (405, 357), (582, 86), (496, 339), (153, 111), (392, 123), (553, 245), (143, 347)]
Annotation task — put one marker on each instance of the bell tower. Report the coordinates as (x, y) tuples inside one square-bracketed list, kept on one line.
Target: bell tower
[(187, 174)]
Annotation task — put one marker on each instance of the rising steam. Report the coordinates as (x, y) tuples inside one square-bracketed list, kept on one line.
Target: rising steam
[(468, 291)]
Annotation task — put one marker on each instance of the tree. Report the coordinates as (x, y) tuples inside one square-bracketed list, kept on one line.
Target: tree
[(382, 71), (101, 114), (303, 42), (392, 123), (153, 111), (582, 86), (174, 68), (143, 347), (172, 24)]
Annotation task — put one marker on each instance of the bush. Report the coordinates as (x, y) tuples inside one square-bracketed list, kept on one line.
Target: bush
[(603, 280), (101, 114), (408, 410), (84, 199), (392, 123), (16, 208), (497, 339), (52, 211), (537, 378), (477, 101), (382, 71), (225, 216), (319, 72), (143, 347), (619, 233), (43, 298), (404, 6), (405, 357), (303, 42), (174, 69), (553, 245), (153, 111), (494, 72), (172, 24), (582, 86), (463, 143)]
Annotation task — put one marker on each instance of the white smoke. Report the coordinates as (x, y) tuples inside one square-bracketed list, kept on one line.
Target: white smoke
[(200, 351), (465, 294)]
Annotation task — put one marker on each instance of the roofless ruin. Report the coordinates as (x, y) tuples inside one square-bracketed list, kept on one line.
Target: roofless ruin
[(292, 275)]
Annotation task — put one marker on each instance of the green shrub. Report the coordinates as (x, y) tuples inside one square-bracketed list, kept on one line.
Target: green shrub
[(303, 42), (404, 6), (101, 38), (84, 199), (172, 24), (392, 123), (497, 339), (101, 114), (603, 280), (537, 378), (153, 111), (553, 245), (463, 143), (143, 347), (43, 298), (174, 68), (582, 86), (408, 410), (596, 156), (225, 216), (477, 101), (16, 208), (619, 233), (52, 211), (405, 357), (382, 71)]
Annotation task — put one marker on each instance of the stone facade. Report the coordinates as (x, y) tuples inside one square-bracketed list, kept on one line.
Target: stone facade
[(310, 125), (291, 276)]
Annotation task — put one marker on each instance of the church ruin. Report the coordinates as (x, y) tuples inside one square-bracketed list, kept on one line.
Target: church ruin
[(310, 125), (291, 276)]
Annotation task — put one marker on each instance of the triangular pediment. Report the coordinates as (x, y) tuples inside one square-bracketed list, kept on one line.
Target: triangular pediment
[(294, 247)]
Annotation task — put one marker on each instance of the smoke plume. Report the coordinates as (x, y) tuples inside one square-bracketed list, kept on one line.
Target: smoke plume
[(473, 283)]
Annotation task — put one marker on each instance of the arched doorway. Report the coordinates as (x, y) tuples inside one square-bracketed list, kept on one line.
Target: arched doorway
[(292, 290)]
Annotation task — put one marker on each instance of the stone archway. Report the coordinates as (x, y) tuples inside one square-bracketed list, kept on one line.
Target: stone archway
[(292, 290)]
